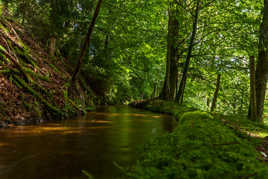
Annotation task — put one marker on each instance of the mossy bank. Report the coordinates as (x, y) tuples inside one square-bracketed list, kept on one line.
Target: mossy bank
[(201, 146), (33, 85)]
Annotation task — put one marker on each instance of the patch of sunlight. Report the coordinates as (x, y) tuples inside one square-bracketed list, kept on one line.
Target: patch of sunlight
[(258, 134), (263, 134), (99, 121), (157, 117)]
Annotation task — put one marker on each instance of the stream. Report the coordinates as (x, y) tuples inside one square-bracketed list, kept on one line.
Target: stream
[(62, 149)]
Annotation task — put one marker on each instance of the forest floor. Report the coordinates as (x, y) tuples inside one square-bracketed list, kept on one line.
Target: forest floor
[(33, 85)]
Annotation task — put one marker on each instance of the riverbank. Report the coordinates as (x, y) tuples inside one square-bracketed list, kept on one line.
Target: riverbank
[(33, 84), (203, 146)]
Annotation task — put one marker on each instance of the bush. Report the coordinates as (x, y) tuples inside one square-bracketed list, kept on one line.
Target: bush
[(200, 147)]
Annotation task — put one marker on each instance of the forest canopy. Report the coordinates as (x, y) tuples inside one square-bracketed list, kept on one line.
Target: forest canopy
[(195, 51)]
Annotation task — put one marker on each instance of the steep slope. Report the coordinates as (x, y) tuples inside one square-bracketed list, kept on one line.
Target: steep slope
[(33, 85)]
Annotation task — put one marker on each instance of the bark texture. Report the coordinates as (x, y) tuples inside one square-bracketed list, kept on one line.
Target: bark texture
[(180, 94), (253, 105), (216, 93), (169, 89), (262, 65), (52, 46)]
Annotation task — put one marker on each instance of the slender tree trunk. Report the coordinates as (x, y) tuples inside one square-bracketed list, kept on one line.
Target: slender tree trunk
[(154, 91), (262, 65), (106, 42), (253, 105), (208, 102), (169, 89), (87, 41), (180, 94), (216, 93), (52, 45)]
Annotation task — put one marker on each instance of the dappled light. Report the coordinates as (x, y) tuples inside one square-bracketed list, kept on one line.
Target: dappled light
[(133, 89)]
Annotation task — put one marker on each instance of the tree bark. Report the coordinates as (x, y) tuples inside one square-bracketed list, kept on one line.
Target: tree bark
[(208, 102), (52, 45), (216, 93), (180, 94), (169, 89), (87, 41), (262, 65), (253, 105)]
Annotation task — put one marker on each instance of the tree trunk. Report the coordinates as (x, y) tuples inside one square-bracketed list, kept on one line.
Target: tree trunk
[(180, 94), (52, 46), (169, 89), (262, 65), (154, 91), (253, 105), (87, 41), (215, 97), (208, 102)]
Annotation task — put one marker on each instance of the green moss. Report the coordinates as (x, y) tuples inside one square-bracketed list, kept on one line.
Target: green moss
[(25, 56), (5, 30), (5, 71), (54, 68), (167, 107), (4, 58), (200, 147), (196, 115), (38, 96), (36, 75)]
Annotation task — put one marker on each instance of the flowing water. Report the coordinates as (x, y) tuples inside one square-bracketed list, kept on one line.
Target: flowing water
[(61, 150)]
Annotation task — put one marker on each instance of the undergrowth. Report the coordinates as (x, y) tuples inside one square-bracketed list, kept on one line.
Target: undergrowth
[(200, 147)]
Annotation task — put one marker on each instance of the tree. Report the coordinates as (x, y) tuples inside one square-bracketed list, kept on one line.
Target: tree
[(86, 43), (179, 96), (171, 77), (253, 105), (215, 97), (262, 64)]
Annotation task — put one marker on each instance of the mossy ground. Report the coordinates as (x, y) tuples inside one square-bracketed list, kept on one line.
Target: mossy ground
[(202, 146)]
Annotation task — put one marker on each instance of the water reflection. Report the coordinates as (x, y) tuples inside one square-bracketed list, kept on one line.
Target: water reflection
[(92, 143)]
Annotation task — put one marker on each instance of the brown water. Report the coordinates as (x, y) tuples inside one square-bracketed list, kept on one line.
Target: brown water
[(60, 150)]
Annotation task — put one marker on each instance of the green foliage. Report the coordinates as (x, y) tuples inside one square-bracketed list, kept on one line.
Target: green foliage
[(167, 107), (200, 147)]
